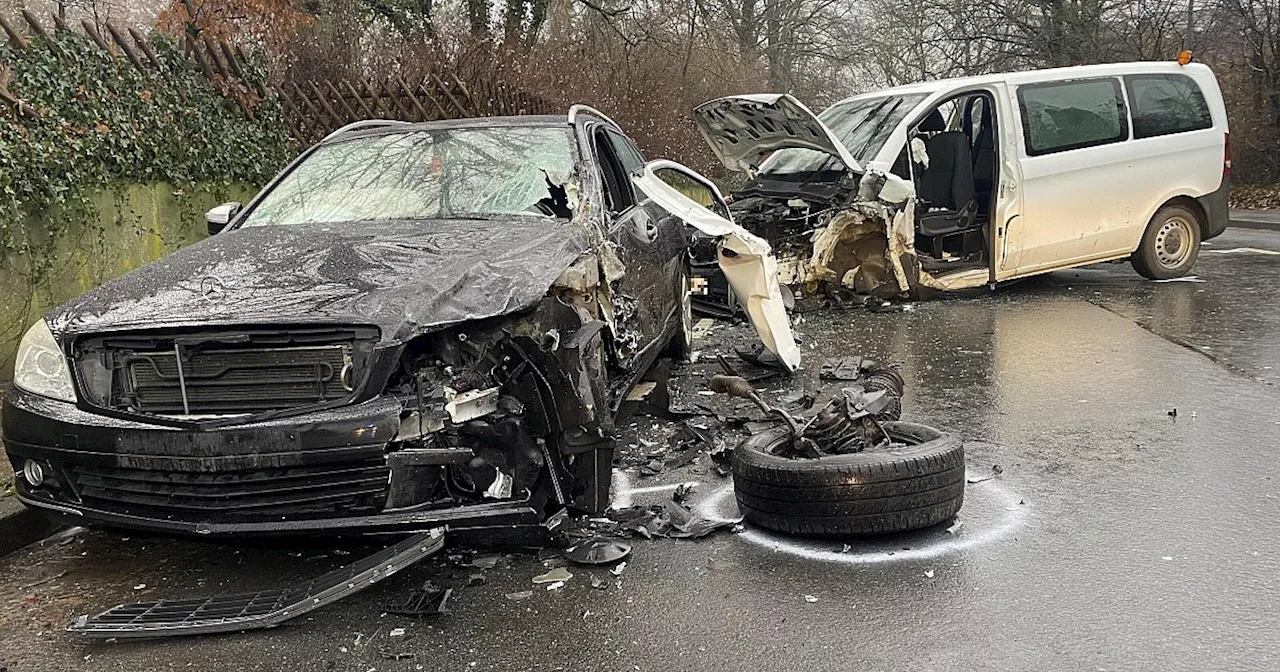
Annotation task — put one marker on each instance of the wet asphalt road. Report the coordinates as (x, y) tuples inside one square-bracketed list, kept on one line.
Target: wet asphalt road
[(1116, 538)]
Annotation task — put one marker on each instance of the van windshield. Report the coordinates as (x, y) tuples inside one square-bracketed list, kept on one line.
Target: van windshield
[(862, 125), (424, 174)]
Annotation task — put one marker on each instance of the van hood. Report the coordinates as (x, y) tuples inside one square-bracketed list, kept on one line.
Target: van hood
[(744, 130), (405, 278)]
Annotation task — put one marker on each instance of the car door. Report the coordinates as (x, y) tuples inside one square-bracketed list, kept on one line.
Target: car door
[(746, 259), (1077, 174), (649, 243)]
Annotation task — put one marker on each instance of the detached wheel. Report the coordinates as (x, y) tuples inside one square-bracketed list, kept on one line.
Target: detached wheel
[(872, 492), (1170, 244)]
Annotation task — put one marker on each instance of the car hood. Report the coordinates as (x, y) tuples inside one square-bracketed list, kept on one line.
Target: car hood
[(405, 278), (744, 130)]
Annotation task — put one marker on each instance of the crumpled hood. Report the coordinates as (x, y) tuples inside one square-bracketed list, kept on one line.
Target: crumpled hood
[(403, 277)]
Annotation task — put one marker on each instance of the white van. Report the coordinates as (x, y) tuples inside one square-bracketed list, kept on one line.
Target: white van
[(964, 182)]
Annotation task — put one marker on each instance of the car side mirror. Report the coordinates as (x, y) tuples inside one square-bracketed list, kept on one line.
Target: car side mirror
[(218, 217)]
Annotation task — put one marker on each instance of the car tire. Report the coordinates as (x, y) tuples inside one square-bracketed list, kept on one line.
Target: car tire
[(1170, 245), (858, 494), (681, 346)]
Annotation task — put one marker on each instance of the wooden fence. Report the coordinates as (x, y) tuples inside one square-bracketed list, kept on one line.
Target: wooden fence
[(316, 108), (312, 109)]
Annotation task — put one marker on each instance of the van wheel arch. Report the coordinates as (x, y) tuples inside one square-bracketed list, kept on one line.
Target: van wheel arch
[(1192, 204)]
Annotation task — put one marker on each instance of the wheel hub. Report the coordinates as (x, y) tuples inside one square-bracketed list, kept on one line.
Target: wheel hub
[(1173, 242)]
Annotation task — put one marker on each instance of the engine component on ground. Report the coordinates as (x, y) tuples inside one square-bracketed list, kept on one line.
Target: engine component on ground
[(916, 482), (264, 609), (850, 422)]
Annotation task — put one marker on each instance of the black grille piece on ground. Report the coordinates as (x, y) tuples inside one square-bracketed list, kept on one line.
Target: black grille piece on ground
[(252, 611), (344, 487), (237, 381)]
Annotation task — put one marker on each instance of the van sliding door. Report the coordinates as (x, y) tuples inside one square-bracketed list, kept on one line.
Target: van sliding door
[(1078, 178)]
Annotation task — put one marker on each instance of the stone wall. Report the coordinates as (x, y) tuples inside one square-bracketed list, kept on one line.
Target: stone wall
[(135, 225)]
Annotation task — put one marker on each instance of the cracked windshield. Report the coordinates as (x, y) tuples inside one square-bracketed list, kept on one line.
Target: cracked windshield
[(434, 174)]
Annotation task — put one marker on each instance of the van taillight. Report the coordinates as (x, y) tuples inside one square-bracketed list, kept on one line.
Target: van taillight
[(1226, 154)]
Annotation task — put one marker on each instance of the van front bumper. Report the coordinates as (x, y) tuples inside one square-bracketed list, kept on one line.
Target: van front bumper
[(322, 472)]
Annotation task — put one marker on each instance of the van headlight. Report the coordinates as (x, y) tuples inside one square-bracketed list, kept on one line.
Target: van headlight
[(41, 367)]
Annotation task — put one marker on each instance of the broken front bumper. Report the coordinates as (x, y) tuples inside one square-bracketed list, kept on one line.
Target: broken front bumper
[(328, 471)]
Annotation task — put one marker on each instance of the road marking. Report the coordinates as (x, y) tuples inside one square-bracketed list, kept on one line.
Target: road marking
[(624, 494), (1245, 250)]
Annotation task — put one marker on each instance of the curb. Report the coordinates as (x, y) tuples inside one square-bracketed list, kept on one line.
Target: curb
[(20, 525), (1262, 219)]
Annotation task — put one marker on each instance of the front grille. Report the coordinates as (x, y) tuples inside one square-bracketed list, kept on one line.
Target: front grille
[(231, 371), (237, 381), (342, 488)]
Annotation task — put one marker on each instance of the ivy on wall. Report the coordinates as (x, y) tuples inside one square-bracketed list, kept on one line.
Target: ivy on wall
[(95, 121)]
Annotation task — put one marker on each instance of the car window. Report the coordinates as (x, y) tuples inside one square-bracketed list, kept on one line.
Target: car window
[(695, 190), (1061, 116), (617, 186), (421, 175), (975, 108), (626, 152), (1164, 104)]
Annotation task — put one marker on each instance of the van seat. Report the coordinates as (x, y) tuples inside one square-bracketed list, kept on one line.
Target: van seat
[(948, 204)]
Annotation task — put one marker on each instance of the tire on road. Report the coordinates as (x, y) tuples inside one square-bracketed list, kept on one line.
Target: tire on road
[(868, 493), (1170, 245)]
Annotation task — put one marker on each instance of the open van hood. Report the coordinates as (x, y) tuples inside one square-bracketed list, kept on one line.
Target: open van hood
[(743, 130)]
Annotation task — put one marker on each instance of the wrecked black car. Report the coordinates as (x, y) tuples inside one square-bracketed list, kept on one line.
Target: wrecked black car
[(412, 326)]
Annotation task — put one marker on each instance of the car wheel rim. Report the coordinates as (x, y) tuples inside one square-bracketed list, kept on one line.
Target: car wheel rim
[(1174, 242)]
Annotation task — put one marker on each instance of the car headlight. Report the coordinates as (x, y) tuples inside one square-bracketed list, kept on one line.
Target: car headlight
[(42, 368)]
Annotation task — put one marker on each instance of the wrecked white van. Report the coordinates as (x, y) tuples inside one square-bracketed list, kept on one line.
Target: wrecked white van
[(960, 183)]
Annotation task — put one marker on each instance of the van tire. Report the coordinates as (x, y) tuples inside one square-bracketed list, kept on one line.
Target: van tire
[(1170, 245), (868, 493)]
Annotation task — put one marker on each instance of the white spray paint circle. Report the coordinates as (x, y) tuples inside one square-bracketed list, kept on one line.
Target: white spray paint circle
[(991, 511)]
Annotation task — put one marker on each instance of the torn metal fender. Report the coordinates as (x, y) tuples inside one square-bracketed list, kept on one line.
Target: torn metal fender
[(869, 245), (746, 259)]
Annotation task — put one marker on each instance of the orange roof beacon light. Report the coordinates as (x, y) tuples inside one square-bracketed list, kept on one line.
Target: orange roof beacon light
[(1184, 57)]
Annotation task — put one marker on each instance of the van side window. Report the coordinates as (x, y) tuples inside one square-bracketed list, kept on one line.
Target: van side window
[(1164, 104), (1060, 116)]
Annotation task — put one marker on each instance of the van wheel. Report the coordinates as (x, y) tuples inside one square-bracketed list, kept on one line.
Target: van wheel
[(1170, 244)]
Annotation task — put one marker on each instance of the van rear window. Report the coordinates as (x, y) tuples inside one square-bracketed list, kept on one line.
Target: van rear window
[(1165, 104), (1060, 116)]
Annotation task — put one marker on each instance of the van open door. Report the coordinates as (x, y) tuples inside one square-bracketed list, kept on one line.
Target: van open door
[(1007, 224)]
